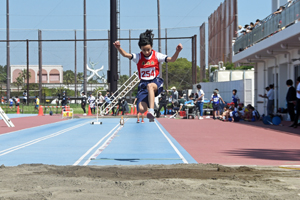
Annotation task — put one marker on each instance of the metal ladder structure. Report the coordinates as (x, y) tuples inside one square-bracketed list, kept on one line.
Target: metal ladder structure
[(120, 93), (6, 119)]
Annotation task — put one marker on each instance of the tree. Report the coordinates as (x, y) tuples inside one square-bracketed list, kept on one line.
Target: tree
[(123, 79), (3, 74), (80, 77), (179, 73), (69, 77), (20, 80)]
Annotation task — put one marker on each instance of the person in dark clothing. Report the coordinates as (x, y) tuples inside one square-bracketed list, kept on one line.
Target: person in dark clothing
[(64, 99), (295, 124), (112, 99), (162, 103), (291, 99), (83, 102)]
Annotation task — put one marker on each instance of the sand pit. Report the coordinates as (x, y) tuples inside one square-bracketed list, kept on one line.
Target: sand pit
[(195, 181)]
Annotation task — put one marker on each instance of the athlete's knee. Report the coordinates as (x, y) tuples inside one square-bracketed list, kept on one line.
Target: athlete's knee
[(151, 87)]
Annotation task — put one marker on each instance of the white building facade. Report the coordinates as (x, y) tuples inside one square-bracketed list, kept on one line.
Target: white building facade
[(274, 48)]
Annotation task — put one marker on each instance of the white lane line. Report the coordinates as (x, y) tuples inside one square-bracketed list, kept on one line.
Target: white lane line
[(9, 150), (174, 147), (103, 146), (93, 147)]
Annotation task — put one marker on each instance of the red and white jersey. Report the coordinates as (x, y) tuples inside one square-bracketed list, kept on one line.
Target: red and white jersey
[(148, 67)]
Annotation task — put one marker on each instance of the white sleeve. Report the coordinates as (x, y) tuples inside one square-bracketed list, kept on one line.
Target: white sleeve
[(230, 114), (136, 57), (298, 87), (161, 57)]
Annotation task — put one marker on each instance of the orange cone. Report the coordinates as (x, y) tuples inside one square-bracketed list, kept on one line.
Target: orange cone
[(18, 110), (131, 110), (145, 113), (89, 112), (41, 112), (135, 110)]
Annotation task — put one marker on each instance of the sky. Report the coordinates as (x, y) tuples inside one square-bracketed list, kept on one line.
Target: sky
[(59, 18)]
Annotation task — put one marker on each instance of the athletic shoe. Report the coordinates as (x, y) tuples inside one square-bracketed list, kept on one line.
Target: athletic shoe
[(84, 114), (143, 121), (200, 117), (150, 116), (138, 121)]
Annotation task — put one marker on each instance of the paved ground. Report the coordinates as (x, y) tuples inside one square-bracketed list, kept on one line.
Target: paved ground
[(51, 140)]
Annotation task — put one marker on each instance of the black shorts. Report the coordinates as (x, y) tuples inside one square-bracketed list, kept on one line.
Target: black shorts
[(216, 107)]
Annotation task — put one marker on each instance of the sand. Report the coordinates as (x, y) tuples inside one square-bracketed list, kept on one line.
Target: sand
[(193, 181)]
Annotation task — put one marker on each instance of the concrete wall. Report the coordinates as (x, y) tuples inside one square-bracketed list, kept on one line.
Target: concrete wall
[(245, 90)]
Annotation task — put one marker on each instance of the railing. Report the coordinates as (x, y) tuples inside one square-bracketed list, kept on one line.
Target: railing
[(269, 25)]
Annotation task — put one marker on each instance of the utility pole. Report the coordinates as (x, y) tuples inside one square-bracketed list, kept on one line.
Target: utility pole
[(75, 64), (159, 36), (27, 62), (84, 49), (113, 73), (7, 51), (40, 64)]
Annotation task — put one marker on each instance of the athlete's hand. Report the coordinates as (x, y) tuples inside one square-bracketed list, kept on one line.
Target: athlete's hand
[(117, 44), (179, 47)]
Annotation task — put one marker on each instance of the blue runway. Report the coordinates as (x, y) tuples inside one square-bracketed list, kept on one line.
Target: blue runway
[(77, 142)]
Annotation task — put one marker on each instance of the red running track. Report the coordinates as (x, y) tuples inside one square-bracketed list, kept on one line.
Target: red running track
[(229, 143), (29, 122)]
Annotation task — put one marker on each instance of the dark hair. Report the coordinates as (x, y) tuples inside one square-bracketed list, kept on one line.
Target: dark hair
[(227, 107), (235, 90), (289, 82), (257, 20), (146, 38), (82, 93), (252, 23), (198, 86), (271, 86), (17, 97), (298, 79), (180, 94), (217, 89)]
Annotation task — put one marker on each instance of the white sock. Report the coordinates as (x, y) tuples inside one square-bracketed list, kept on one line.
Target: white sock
[(151, 110)]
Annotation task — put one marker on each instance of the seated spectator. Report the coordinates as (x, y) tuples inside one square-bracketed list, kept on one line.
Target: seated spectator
[(242, 113), (225, 114), (235, 115), (248, 113), (254, 114), (181, 102)]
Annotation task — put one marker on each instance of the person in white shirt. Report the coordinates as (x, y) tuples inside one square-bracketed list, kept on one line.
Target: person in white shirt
[(200, 100), (270, 97), (91, 101), (297, 103)]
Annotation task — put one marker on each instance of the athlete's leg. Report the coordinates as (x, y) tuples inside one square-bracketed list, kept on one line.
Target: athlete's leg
[(152, 89), (143, 107)]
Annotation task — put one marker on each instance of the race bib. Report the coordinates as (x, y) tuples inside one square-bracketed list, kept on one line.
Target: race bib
[(216, 100), (147, 73)]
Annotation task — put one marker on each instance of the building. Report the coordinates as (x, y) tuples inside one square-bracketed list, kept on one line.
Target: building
[(50, 73), (274, 49)]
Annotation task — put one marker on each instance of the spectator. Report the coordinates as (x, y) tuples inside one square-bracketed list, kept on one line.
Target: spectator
[(270, 97), (225, 114), (17, 101), (247, 28), (83, 102), (2, 100), (181, 102), (24, 97), (234, 114), (37, 103), (100, 101), (279, 10), (295, 125), (200, 100), (241, 31), (216, 101), (251, 26), (254, 114), (162, 103), (112, 99), (174, 95), (92, 101), (11, 103), (290, 2), (257, 23), (291, 99), (235, 98)]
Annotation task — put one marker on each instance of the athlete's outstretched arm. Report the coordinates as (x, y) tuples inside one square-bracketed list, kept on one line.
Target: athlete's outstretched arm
[(174, 57), (122, 51)]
